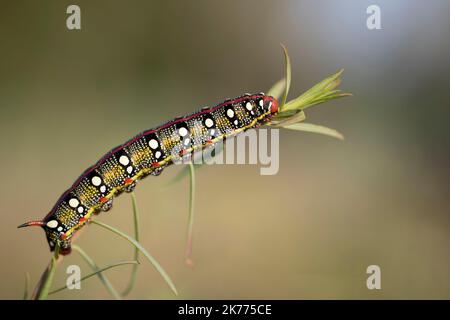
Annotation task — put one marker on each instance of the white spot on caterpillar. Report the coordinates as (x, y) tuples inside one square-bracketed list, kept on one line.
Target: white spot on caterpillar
[(157, 154), (153, 143), (124, 160), (249, 106), (230, 113), (186, 141), (52, 224), (212, 132), (261, 103), (236, 122), (80, 209), (182, 131), (74, 202), (209, 123), (129, 169), (59, 228), (103, 189), (96, 181)]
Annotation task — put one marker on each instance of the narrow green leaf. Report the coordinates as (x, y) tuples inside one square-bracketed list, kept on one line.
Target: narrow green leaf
[(188, 259), (150, 258), (314, 128), (277, 89), (206, 158), (136, 250), (297, 117), (287, 61), (49, 274), (326, 85), (27, 283), (184, 172), (96, 269), (321, 92), (45, 283), (99, 271), (280, 116)]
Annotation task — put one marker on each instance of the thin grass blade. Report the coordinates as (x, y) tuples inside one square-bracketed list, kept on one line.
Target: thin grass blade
[(113, 265), (314, 128), (183, 173), (188, 258), (132, 282), (150, 258), (277, 89), (27, 284), (100, 275), (321, 92), (45, 283), (287, 61), (297, 117), (198, 163)]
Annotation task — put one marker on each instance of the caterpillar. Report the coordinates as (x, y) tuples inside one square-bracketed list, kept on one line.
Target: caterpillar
[(148, 153)]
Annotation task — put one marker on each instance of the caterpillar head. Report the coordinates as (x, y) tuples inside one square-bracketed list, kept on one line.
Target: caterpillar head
[(271, 103), (266, 104), (54, 236)]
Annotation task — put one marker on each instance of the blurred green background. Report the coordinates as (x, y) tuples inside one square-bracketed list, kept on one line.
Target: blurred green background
[(380, 197)]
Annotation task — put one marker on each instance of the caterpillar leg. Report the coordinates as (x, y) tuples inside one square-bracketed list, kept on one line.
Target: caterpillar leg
[(130, 187), (107, 205), (65, 250), (65, 246), (157, 171)]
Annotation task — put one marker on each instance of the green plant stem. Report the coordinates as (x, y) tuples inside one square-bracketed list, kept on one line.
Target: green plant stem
[(150, 258), (45, 282), (188, 259), (277, 89), (314, 128), (96, 269), (132, 282), (27, 283), (117, 264), (287, 62)]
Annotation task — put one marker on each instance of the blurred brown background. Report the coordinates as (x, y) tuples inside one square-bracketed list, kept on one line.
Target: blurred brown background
[(380, 197)]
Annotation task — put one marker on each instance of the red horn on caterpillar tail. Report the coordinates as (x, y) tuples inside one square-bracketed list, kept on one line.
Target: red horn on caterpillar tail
[(32, 223)]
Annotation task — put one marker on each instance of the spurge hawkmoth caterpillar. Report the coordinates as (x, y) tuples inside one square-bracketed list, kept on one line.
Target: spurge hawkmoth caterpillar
[(148, 153)]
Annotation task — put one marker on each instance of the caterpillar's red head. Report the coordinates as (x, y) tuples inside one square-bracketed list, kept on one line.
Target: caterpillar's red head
[(271, 103), (53, 235)]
